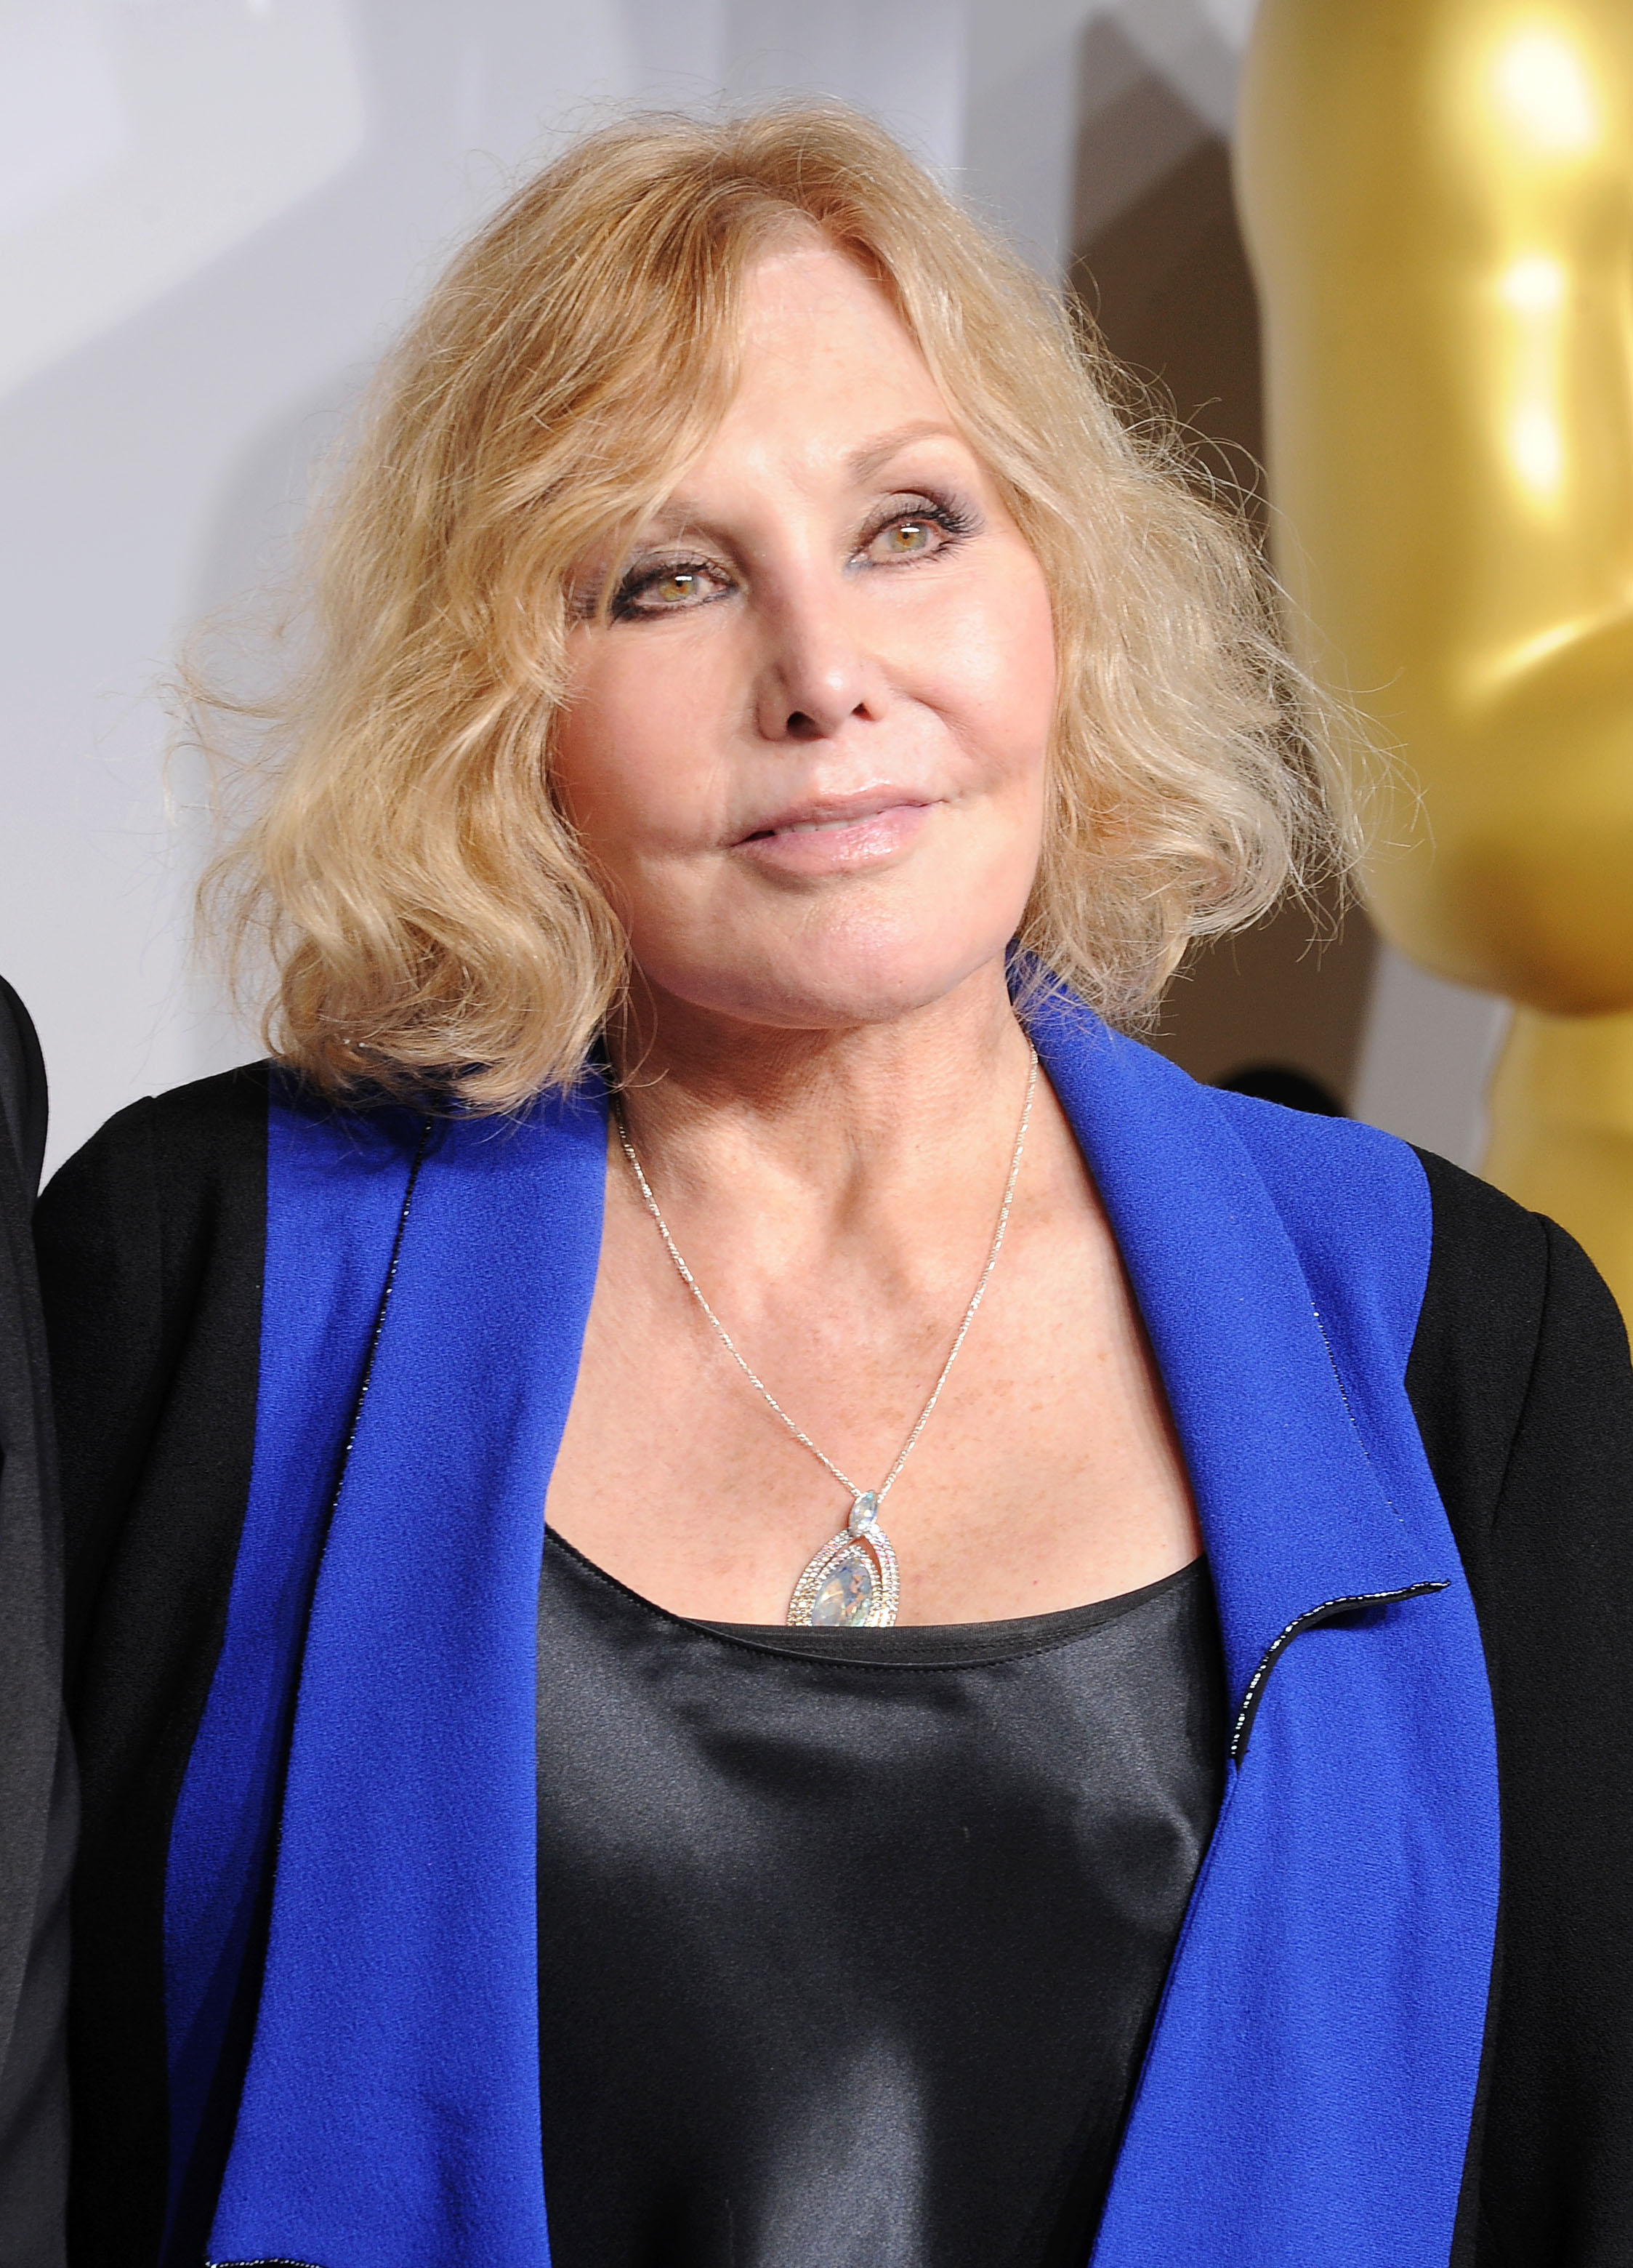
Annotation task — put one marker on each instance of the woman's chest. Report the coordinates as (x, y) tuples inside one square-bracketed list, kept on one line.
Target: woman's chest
[(1045, 1474)]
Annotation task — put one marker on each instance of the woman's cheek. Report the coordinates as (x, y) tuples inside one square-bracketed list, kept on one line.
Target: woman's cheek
[(608, 768), (1000, 666), (659, 727)]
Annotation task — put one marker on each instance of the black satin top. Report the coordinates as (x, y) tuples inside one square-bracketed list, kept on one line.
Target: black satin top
[(850, 1941)]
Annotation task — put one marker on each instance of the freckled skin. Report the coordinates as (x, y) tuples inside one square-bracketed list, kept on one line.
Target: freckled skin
[(807, 755)]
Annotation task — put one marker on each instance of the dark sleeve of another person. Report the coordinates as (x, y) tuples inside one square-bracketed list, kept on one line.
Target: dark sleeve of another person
[(1522, 1383), (37, 1795)]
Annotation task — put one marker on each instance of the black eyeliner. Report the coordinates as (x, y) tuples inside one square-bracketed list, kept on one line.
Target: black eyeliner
[(635, 579), (954, 520)]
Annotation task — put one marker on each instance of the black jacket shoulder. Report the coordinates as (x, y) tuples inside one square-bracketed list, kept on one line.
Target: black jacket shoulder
[(151, 1243), (151, 1250), (1520, 1382)]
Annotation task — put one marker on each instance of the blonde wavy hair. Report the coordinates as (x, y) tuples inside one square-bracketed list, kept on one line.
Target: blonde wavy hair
[(431, 921)]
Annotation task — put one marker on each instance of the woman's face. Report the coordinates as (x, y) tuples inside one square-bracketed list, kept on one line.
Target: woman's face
[(807, 754)]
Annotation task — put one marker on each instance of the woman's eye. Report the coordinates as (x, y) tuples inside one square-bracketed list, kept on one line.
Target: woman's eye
[(675, 589), (915, 535), (668, 590)]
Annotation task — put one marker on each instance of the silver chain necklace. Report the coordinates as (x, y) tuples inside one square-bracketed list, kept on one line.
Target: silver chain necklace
[(853, 1582)]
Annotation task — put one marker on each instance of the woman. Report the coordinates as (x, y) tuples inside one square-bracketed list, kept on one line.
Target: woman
[(765, 706)]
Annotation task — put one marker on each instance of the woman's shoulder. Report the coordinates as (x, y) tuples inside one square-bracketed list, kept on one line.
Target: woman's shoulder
[(201, 1128), (1519, 1360), (1505, 1331), (1361, 1197), (160, 1174), (151, 1242)]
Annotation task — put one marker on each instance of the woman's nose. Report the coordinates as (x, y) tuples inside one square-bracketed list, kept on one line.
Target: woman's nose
[(816, 671)]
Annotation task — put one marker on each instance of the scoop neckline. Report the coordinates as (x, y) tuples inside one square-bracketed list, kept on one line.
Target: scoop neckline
[(907, 1646)]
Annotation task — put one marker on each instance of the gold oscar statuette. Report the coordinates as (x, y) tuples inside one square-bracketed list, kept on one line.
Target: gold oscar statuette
[(1437, 197)]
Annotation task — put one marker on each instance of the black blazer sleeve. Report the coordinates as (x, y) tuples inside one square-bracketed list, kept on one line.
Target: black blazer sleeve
[(1520, 1380), (151, 1245)]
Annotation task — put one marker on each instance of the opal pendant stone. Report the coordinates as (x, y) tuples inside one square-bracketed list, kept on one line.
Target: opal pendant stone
[(844, 1599), (852, 1583)]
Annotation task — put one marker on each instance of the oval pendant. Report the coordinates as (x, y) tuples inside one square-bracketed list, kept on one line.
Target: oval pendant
[(853, 1582)]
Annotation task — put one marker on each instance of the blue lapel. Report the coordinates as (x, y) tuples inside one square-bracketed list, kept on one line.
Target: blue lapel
[(390, 2116), (1307, 2092), (335, 1192), (1293, 1511)]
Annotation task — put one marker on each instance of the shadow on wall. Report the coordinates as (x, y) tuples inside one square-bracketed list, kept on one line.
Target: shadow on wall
[(1158, 260)]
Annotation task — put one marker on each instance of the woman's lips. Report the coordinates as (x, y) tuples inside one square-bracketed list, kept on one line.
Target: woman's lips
[(835, 842)]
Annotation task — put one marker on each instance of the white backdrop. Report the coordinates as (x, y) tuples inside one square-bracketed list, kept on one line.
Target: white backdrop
[(214, 213)]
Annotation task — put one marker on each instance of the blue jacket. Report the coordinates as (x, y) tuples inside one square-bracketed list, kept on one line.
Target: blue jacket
[(362, 1750)]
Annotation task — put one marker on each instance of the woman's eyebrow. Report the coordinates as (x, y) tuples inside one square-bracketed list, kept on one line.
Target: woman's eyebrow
[(872, 456), (680, 517), (677, 516)]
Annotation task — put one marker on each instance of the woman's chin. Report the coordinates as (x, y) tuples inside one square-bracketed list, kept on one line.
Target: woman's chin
[(838, 989)]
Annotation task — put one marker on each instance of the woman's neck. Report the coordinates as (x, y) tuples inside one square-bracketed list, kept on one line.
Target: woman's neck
[(719, 1107)]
